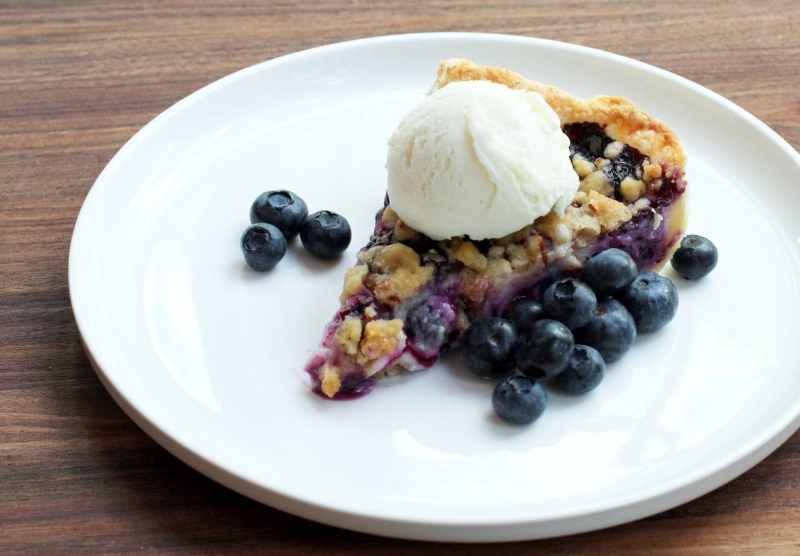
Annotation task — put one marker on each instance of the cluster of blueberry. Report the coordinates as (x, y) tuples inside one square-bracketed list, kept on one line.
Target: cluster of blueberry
[(278, 216), (578, 327)]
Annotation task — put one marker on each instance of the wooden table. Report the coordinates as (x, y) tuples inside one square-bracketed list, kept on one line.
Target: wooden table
[(79, 78)]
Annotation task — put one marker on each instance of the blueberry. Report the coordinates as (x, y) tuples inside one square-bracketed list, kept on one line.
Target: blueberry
[(325, 234), (544, 349), (519, 400), (263, 246), (570, 302), (488, 347), (429, 322), (609, 271), (611, 330), (584, 372), (695, 257), (283, 209), (651, 299), (523, 312)]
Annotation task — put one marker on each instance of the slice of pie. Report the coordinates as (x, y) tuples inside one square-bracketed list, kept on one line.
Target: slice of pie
[(409, 298)]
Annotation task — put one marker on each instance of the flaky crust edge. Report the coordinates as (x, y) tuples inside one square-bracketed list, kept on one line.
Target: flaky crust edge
[(623, 120)]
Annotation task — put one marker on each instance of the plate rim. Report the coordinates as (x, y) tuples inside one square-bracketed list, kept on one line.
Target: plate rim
[(594, 516)]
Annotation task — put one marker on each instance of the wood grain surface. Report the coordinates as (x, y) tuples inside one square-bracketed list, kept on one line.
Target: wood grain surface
[(79, 78)]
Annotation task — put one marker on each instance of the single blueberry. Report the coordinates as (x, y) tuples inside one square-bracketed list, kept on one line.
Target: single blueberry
[(609, 271), (325, 234), (488, 347), (651, 299), (570, 302), (429, 322), (611, 330), (584, 372), (519, 400), (696, 257), (283, 209), (263, 246), (523, 312), (544, 349)]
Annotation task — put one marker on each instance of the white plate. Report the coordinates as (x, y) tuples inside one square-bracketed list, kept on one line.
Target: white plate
[(206, 356)]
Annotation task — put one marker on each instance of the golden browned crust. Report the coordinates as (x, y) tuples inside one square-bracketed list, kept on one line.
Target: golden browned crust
[(623, 120)]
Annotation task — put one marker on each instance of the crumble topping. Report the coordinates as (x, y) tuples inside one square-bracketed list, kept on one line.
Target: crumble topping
[(582, 166), (399, 272), (498, 267), (330, 382), (597, 181), (349, 334), (651, 171), (610, 213), (390, 217), (353, 279), (403, 232), (613, 150), (381, 338), (518, 256), (469, 255), (632, 189)]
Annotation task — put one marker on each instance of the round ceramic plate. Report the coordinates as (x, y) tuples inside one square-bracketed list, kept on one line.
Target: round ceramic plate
[(207, 356)]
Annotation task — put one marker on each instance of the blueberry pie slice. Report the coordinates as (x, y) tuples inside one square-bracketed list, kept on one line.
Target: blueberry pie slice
[(409, 297)]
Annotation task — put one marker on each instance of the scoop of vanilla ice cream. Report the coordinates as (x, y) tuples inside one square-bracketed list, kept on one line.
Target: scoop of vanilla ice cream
[(479, 159)]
